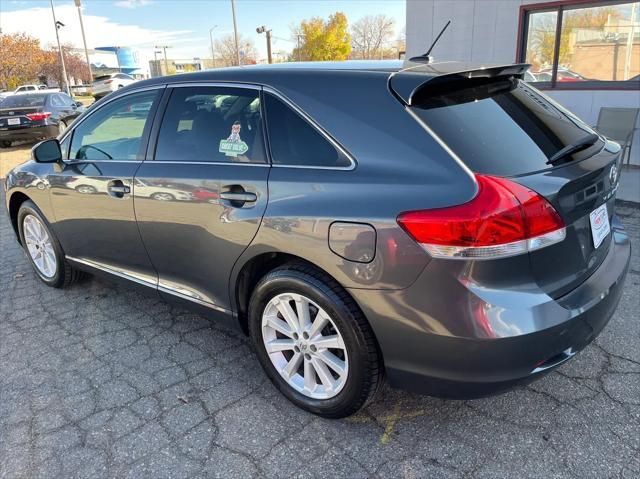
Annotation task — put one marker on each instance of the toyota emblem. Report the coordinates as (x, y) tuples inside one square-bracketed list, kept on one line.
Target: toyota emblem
[(613, 175)]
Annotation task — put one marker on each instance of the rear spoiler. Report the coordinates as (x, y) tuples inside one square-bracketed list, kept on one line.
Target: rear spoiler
[(408, 83)]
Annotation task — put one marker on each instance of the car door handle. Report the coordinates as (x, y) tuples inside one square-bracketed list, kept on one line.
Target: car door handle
[(117, 189), (243, 197), (123, 190)]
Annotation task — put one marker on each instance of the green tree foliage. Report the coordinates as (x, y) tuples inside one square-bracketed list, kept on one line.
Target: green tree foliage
[(323, 40)]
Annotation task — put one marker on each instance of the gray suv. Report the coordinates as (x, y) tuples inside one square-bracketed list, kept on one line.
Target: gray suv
[(444, 225)]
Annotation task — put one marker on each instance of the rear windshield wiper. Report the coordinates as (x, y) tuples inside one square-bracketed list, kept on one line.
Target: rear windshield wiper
[(581, 144)]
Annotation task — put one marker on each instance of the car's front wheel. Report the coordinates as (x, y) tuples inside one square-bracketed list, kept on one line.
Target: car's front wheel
[(313, 341), (43, 249)]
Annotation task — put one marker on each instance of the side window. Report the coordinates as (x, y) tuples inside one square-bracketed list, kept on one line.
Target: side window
[(295, 142), (214, 124), (66, 99), (115, 131), (55, 100)]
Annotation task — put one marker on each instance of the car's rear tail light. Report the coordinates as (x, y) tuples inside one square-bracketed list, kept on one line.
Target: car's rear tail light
[(39, 116), (504, 219)]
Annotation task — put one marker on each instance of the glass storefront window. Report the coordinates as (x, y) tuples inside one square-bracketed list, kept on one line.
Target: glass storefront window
[(596, 43)]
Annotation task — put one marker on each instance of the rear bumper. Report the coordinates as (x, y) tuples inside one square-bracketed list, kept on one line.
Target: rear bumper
[(29, 133), (467, 336)]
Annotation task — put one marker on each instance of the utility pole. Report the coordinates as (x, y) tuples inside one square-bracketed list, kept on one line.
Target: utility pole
[(166, 62), (263, 29), (57, 26), (235, 30), (156, 68), (213, 54), (298, 35), (84, 40)]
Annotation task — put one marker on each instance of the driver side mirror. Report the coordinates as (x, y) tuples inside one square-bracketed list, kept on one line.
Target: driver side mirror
[(47, 151)]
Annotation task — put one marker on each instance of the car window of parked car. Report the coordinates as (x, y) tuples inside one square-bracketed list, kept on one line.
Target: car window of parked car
[(56, 100), (213, 124), (24, 101), (295, 142), (66, 99), (114, 131)]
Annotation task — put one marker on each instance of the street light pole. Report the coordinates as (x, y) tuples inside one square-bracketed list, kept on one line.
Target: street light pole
[(263, 29), (213, 54), (84, 40), (235, 30), (57, 25)]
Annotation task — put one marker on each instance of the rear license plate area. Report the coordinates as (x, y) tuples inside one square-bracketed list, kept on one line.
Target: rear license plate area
[(600, 228)]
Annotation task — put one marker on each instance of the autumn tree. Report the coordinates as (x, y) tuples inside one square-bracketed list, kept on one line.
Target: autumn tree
[(226, 51), (321, 40), (20, 61), (74, 62), (371, 35)]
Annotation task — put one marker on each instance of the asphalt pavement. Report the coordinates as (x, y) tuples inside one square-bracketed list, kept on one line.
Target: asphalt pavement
[(99, 381)]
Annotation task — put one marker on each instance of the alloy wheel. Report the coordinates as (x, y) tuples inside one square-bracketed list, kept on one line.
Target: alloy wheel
[(305, 346), (39, 246)]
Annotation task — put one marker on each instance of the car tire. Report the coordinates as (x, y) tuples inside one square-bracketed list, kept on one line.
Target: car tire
[(5, 144), (60, 274), (86, 189), (163, 197), (346, 325)]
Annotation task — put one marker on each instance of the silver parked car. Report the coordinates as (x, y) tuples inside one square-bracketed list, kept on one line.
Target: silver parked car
[(103, 85)]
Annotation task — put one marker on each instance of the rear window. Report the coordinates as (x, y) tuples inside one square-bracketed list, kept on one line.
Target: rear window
[(500, 127), (102, 77), (23, 101)]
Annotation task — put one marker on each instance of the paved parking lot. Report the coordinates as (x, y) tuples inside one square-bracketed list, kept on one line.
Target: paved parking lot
[(98, 381)]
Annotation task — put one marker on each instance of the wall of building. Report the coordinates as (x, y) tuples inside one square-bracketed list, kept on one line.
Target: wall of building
[(487, 31)]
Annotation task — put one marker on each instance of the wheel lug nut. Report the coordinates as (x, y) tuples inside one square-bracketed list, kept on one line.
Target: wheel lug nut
[(313, 348), (296, 349), (305, 335), (307, 356), (295, 336)]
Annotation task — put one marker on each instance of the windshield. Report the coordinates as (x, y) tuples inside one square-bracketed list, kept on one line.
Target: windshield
[(501, 126), (23, 101)]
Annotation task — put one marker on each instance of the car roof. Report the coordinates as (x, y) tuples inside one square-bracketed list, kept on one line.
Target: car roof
[(267, 73)]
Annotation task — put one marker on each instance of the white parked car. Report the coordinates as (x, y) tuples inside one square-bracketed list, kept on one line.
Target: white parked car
[(27, 89), (103, 85)]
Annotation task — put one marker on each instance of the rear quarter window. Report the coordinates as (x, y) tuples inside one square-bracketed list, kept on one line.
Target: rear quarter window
[(295, 142)]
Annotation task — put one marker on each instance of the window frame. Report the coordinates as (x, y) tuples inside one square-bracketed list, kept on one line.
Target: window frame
[(146, 134), (559, 6), (163, 104), (305, 117), (164, 101)]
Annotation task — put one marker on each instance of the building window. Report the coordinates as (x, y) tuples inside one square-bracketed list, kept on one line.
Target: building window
[(579, 44)]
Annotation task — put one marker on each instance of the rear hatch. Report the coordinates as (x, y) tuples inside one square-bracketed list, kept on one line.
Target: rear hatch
[(15, 111), (498, 125)]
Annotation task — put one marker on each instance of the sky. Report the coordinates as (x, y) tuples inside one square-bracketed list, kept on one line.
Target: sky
[(182, 24)]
